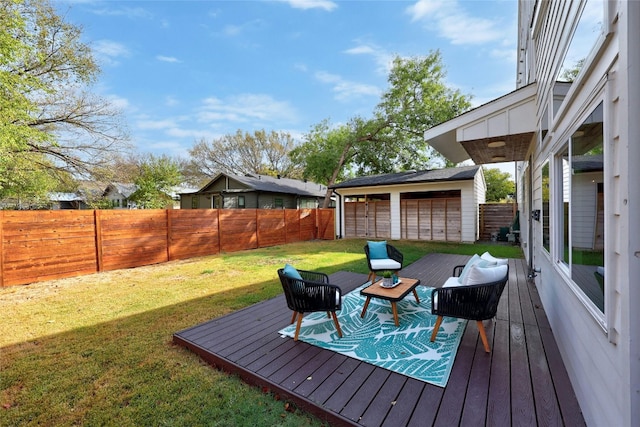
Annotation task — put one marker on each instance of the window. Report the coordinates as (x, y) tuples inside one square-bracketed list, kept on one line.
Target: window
[(194, 202), (584, 41), (545, 206), (581, 220), (279, 203), (241, 204)]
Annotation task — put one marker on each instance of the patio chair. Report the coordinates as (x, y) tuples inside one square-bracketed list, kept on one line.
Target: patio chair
[(382, 256), (477, 299), (310, 291)]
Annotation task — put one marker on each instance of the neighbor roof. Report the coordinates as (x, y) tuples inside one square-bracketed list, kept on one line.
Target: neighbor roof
[(411, 177), (272, 184)]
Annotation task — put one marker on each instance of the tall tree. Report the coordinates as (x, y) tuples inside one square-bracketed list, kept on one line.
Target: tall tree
[(417, 99), (46, 108), (243, 153), (500, 186), (155, 178)]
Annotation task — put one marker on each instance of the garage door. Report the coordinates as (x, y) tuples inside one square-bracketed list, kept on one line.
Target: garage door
[(436, 219)]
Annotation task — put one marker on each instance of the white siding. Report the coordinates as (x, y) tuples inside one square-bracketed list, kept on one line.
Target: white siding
[(601, 353)]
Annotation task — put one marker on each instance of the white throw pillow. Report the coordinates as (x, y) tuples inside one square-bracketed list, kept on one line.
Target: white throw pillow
[(475, 258), (491, 258), (482, 275), (451, 282)]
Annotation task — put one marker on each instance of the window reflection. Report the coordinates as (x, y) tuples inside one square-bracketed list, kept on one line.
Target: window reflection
[(581, 201), (545, 207), (563, 220), (587, 207), (584, 40)]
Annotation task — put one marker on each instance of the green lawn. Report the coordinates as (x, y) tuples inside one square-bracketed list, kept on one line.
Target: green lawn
[(97, 349)]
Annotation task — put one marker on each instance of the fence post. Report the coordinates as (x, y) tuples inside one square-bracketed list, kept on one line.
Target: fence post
[(168, 221), (1, 249), (98, 237)]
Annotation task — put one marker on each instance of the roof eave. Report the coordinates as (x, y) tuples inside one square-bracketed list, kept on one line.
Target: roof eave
[(510, 118)]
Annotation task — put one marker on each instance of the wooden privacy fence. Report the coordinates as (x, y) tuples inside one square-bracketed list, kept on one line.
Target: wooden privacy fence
[(45, 245), (495, 215)]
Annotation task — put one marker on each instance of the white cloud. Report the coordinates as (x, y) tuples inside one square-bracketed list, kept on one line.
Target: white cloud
[(171, 101), (118, 102), (382, 58), (346, 90), (128, 12), (312, 4), (454, 23), (246, 108), (167, 59), (236, 30), (108, 52), (155, 124)]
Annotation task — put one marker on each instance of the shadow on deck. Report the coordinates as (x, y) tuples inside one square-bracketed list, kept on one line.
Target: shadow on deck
[(523, 380)]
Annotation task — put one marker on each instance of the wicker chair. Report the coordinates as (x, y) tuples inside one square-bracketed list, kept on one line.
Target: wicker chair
[(473, 302), (392, 262), (312, 293)]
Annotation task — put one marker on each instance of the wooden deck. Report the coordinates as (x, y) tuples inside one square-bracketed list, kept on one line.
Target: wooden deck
[(523, 380)]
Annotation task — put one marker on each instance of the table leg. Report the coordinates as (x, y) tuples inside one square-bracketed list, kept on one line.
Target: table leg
[(415, 294), (394, 308), (366, 304)]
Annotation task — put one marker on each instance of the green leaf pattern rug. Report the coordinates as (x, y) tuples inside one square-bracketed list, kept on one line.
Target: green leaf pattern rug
[(375, 339)]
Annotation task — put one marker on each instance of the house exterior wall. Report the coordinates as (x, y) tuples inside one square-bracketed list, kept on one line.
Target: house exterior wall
[(480, 196), (601, 351), (469, 207), (277, 201)]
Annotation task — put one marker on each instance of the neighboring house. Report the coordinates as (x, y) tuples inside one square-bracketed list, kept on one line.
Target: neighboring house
[(254, 192), (577, 145), (440, 204), (176, 193), (118, 193), (67, 201)]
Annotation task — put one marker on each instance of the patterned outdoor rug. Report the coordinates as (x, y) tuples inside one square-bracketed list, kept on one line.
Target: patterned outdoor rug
[(405, 349)]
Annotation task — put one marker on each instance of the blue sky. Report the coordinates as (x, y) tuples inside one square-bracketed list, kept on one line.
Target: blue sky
[(181, 71)]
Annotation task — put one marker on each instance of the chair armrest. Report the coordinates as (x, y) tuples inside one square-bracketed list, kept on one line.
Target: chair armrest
[(476, 302), (316, 296), (457, 270), (394, 254), (314, 276)]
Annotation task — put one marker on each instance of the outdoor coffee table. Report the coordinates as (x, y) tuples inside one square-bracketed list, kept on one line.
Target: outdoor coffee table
[(393, 295)]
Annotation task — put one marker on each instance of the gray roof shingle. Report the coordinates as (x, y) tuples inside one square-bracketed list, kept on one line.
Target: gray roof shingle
[(282, 185), (271, 184), (409, 177)]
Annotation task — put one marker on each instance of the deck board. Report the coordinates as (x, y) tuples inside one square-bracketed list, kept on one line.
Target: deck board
[(521, 382)]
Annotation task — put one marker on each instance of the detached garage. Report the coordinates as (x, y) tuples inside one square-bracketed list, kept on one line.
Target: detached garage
[(440, 205)]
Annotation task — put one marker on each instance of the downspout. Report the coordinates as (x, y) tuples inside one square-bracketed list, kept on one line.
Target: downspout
[(339, 206), (532, 273)]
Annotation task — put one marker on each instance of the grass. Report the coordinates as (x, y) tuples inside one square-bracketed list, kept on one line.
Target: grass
[(97, 349)]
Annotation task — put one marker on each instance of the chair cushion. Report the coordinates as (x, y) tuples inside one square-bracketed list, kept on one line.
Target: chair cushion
[(385, 264), (377, 250), (451, 282), (491, 258), (291, 272), (475, 258), (480, 275)]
